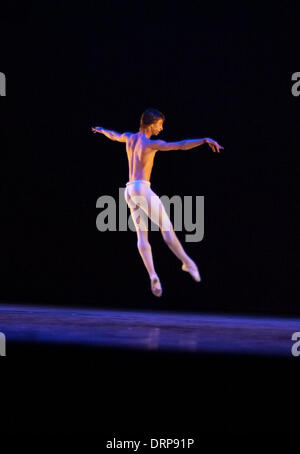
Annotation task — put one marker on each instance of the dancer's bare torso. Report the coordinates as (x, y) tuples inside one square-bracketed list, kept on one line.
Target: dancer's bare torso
[(140, 152)]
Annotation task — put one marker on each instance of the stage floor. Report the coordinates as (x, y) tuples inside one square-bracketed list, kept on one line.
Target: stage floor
[(148, 330)]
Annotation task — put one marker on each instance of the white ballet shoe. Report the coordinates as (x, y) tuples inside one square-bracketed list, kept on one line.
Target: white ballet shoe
[(193, 270), (156, 286)]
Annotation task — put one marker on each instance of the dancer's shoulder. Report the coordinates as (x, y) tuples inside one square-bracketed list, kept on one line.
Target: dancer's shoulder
[(127, 135), (162, 145), (155, 144)]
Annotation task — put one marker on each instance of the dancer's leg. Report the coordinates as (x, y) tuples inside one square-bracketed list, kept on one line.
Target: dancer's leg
[(145, 251), (144, 247), (157, 213)]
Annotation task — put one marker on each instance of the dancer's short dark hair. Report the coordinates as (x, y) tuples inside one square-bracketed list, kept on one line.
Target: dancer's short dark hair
[(150, 116)]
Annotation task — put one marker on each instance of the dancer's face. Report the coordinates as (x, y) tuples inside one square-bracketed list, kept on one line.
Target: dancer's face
[(157, 127)]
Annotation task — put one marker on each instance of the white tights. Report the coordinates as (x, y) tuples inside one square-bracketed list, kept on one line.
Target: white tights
[(143, 203)]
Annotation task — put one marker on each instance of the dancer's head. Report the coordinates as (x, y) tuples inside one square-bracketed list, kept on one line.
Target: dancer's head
[(151, 122)]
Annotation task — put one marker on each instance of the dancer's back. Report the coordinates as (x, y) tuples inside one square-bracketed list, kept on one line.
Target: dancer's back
[(140, 153)]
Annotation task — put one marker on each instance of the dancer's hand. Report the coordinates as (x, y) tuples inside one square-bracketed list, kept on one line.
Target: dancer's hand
[(97, 129), (214, 145)]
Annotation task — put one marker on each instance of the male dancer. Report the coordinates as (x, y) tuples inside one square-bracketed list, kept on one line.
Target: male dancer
[(139, 196)]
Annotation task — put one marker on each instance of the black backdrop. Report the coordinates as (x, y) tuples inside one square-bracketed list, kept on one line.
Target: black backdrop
[(217, 71)]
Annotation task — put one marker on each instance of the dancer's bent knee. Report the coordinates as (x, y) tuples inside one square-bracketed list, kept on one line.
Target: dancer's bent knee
[(168, 235), (143, 245)]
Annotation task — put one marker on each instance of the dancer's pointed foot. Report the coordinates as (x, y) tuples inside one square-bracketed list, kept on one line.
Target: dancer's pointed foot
[(193, 270), (155, 285)]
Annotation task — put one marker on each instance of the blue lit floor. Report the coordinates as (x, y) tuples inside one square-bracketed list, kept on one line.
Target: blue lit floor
[(148, 330)]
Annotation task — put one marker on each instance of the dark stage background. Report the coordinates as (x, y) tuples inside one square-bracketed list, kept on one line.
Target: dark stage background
[(220, 71)]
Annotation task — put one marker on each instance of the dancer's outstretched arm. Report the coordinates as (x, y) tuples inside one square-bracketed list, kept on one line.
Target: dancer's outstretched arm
[(112, 135), (185, 144)]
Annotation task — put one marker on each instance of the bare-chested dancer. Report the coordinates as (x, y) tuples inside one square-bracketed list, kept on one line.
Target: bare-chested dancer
[(142, 201)]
